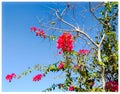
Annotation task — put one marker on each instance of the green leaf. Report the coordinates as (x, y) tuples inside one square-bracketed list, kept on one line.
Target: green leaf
[(102, 12), (101, 63), (105, 58), (30, 70), (52, 37), (110, 33), (52, 23), (26, 72), (52, 67), (73, 53)]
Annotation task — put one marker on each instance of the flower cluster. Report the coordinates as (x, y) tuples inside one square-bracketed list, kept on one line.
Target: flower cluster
[(112, 86), (71, 88), (65, 42), (37, 77), (38, 31), (61, 65), (83, 52), (9, 77)]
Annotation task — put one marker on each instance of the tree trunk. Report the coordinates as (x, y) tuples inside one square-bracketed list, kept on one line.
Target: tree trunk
[(103, 68)]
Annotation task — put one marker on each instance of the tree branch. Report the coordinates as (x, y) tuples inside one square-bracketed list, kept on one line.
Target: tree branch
[(63, 11), (101, 4), (86, 41), (78, 30), (102, 39), (91, 10), (92, 27), (51, 27), (57, 15)]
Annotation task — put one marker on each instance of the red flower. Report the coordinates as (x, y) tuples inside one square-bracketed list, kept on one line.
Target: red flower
[(13, 75), (37, 33), (61, 65), (76, 67), (37, 77), (112, 86), (10, 76), (65, 42), (59, 52), (71, 88), (40, 33), (33, 29), (83, 52)]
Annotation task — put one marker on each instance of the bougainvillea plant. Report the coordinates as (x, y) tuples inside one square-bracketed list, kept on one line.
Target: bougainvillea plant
[(86, 67)]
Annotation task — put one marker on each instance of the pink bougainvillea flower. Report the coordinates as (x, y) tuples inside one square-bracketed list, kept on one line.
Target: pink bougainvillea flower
[(37, 77), (37, 33), (112, 86), (83, 52), (9, 77), (76, 67), (40, 33), (65, 42), (33, 28), (13, 75), (71, 88), (61, 65), (59, 52)]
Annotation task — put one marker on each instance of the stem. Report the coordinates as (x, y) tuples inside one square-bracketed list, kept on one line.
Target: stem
[(102, 39), (99, 54), (100, 60), (103, 69), (103, 78)]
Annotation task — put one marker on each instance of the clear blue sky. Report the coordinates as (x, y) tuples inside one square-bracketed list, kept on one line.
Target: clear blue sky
[(22, 49)]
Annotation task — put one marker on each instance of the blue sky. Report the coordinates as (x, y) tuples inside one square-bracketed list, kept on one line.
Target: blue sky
[(22, 49)]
